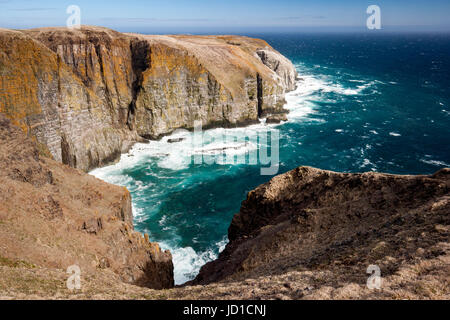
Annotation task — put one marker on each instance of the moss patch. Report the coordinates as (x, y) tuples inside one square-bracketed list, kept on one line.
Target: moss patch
[(15, 263)]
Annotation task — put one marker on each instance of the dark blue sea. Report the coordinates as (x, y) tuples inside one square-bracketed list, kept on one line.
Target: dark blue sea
[(365, 102)]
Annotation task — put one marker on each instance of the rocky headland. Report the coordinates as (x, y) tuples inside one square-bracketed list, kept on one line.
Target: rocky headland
[(54, 216), (328, 227), (71, 101), (87, 95)]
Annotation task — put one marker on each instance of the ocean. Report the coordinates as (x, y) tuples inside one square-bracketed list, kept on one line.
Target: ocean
[(364, 102)]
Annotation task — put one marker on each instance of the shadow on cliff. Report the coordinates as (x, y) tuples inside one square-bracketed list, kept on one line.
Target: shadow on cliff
[(310, 219)]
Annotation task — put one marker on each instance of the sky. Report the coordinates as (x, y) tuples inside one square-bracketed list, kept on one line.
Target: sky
[(207, 16)]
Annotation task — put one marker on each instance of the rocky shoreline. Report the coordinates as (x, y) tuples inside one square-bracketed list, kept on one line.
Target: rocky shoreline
[(306, 234), (84, 97), (87, 95), (71, 101)]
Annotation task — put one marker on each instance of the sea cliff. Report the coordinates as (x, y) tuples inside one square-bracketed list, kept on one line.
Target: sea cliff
[(74, 100), (87, 95), (53, 216)]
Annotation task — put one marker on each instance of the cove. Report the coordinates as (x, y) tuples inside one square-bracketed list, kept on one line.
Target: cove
[(350, 113)]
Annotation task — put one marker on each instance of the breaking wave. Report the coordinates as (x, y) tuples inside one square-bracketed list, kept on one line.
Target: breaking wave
[(175, 152)]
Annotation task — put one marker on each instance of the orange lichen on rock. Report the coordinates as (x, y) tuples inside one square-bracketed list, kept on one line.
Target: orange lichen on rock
[(67, 217), (89, 94)]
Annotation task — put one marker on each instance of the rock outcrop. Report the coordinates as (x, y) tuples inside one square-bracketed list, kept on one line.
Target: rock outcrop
[(53, 216), (87, 95), (307, 234), (310, 221), (82, 97)]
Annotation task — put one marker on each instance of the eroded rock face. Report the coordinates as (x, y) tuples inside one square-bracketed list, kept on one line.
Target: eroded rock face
[(54, 216), (281, 65), (73, 122), (87, 95), (311, 220)]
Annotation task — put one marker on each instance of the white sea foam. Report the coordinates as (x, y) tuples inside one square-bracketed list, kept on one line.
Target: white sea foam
[(138, 213), (300, 102), (435, 162), (163, 221), (363, 158), (187, 262), (177, 156)]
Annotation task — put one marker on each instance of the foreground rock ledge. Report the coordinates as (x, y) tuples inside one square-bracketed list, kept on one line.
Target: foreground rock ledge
[(307, 234), (53, 217), (334, 225)]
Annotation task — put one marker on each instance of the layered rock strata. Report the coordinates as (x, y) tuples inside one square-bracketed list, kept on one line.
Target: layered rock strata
[(87, 95)]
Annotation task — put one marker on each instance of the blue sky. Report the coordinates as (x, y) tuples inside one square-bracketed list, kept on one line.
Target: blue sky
[(228, 15)]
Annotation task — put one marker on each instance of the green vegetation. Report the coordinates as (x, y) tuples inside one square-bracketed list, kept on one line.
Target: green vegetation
[(15, 263)]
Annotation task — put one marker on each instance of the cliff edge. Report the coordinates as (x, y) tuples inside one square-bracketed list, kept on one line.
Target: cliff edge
[(80, 98), (307, 234), (53, 216), (87, 95), (323, 229)]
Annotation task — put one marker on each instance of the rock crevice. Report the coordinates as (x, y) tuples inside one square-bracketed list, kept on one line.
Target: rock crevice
[(141, 61)]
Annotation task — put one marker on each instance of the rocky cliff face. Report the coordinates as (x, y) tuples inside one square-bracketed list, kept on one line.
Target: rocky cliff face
[(83, 97), (307, 234), (87, 95), (53, 216), (314, 222)]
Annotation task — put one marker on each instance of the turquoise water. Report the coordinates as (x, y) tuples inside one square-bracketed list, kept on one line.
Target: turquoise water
[(363, 103)]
